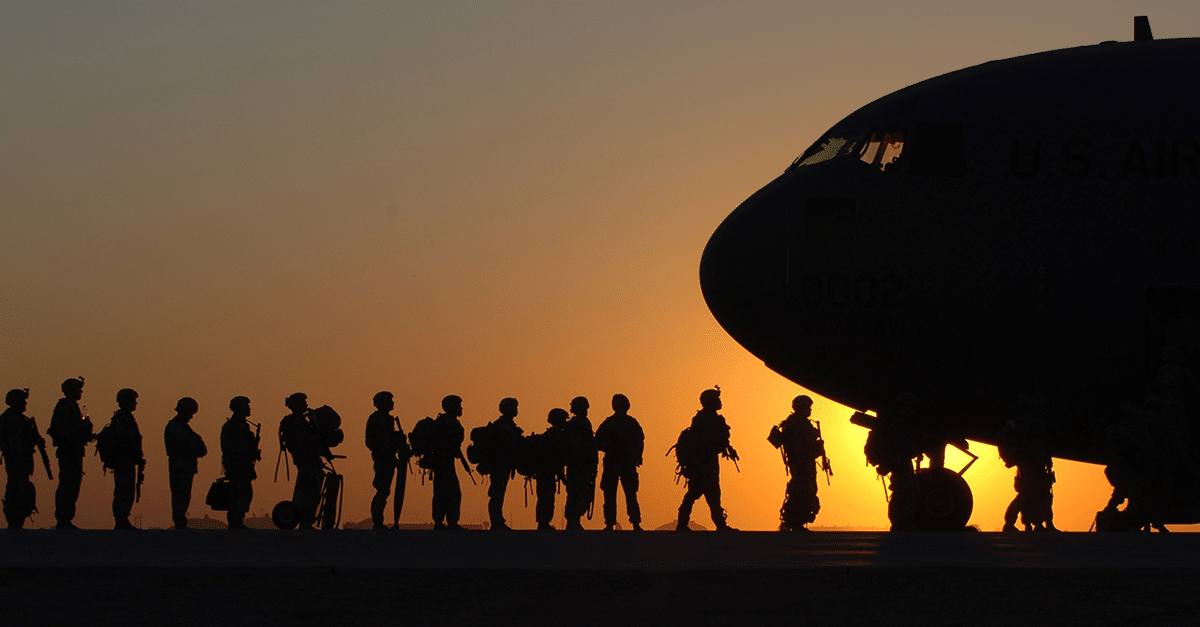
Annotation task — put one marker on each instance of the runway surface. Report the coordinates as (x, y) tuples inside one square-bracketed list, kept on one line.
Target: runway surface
[(370, 550), (596, 578)]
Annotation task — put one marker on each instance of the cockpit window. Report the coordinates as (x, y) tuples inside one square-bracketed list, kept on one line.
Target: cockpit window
[(834, 144), (883, 149)]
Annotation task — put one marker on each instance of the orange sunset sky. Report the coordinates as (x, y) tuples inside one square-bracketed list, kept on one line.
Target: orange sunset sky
[(486, 199)]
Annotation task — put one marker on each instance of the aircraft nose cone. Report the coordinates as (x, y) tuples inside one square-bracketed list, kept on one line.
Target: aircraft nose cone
[(742, 271)]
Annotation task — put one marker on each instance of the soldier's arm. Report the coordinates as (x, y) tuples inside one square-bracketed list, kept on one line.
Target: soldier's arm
[(201, 448)]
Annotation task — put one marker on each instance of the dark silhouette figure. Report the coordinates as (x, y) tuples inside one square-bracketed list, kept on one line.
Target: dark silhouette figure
[(1024, 443), (18, 439), (184, 447), (699, 453), (1150, 452), (800, 442), (389, 454), (70, 431), (494, 447), (239, 452), (622, 440), (447, 495), (120, 448), (302, 439), (544, 455), (891, 448), (582, 461)]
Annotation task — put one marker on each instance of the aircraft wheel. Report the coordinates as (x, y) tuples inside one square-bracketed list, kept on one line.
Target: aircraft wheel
[(285, 515), (944, 500)]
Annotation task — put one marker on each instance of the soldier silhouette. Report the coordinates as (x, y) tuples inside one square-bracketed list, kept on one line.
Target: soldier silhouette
[(622, 440), (239, 453), (301, 438), (582, 460), (184, 446), (1024, 443), (545, 450), (801, 444), (447, 495), (70, 431), (18, 439), (891, 447), (120, 448), (504, 436), (389, 455), (709, 434)]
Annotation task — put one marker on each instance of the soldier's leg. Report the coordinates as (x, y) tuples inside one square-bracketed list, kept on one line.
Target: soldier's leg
[(574, 496), (241, 491), (608, 487), (70, 478), (29, 499), (496, 490), (1010, 514), (181, 495), (694, 491), (13, 488), (713, 496), (1049, 513), (545, 487), (902, 509), (787, 512), (398, 497), (813, 505), (629, 483), (453, 501), (124, 486), (307, 493), (439, 500), (384, 469)]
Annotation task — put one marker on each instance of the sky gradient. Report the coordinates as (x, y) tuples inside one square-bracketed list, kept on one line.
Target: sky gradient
[(482, 199)]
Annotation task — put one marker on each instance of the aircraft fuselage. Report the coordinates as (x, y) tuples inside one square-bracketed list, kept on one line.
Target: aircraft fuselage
[(1025, 226)]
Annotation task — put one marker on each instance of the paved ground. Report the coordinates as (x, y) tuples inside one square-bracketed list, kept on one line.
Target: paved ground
[(484, 578)]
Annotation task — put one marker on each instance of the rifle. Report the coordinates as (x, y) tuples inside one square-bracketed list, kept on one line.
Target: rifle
[(466, 467), (731, 453), (141, 466), (257, 439), (826, 467), (42, 449)]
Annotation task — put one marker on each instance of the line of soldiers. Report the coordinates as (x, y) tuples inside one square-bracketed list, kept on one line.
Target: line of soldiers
[(119, 445), (566, 452)]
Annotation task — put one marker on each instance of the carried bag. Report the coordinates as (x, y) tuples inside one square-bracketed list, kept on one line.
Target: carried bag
[(218, 495)]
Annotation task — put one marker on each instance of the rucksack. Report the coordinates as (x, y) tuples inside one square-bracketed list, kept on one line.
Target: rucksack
[(536, 453), (1008, 443), (328, 423), (480, 451), (108, 448), (689, 452), (423, 441), (876, 448)]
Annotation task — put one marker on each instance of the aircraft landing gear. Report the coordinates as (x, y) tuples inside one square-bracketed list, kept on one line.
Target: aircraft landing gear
[(944, 500)]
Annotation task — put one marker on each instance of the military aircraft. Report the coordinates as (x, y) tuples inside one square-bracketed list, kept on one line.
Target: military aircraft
[(1025, 226)]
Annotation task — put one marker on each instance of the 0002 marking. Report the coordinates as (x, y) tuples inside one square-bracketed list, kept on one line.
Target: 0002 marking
[(839, 290)]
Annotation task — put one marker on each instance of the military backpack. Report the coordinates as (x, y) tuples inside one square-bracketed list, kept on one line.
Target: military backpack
[(689, 452), (423, 441), (109, 448), (492, 448)]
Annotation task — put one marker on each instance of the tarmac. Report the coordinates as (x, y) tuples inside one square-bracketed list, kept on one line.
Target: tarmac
[(602, 578)]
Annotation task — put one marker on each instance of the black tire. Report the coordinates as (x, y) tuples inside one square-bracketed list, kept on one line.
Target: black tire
[(285, 515), (944, 500)]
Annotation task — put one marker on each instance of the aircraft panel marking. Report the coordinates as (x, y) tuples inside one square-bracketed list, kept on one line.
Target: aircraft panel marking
[(1148, 158)]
